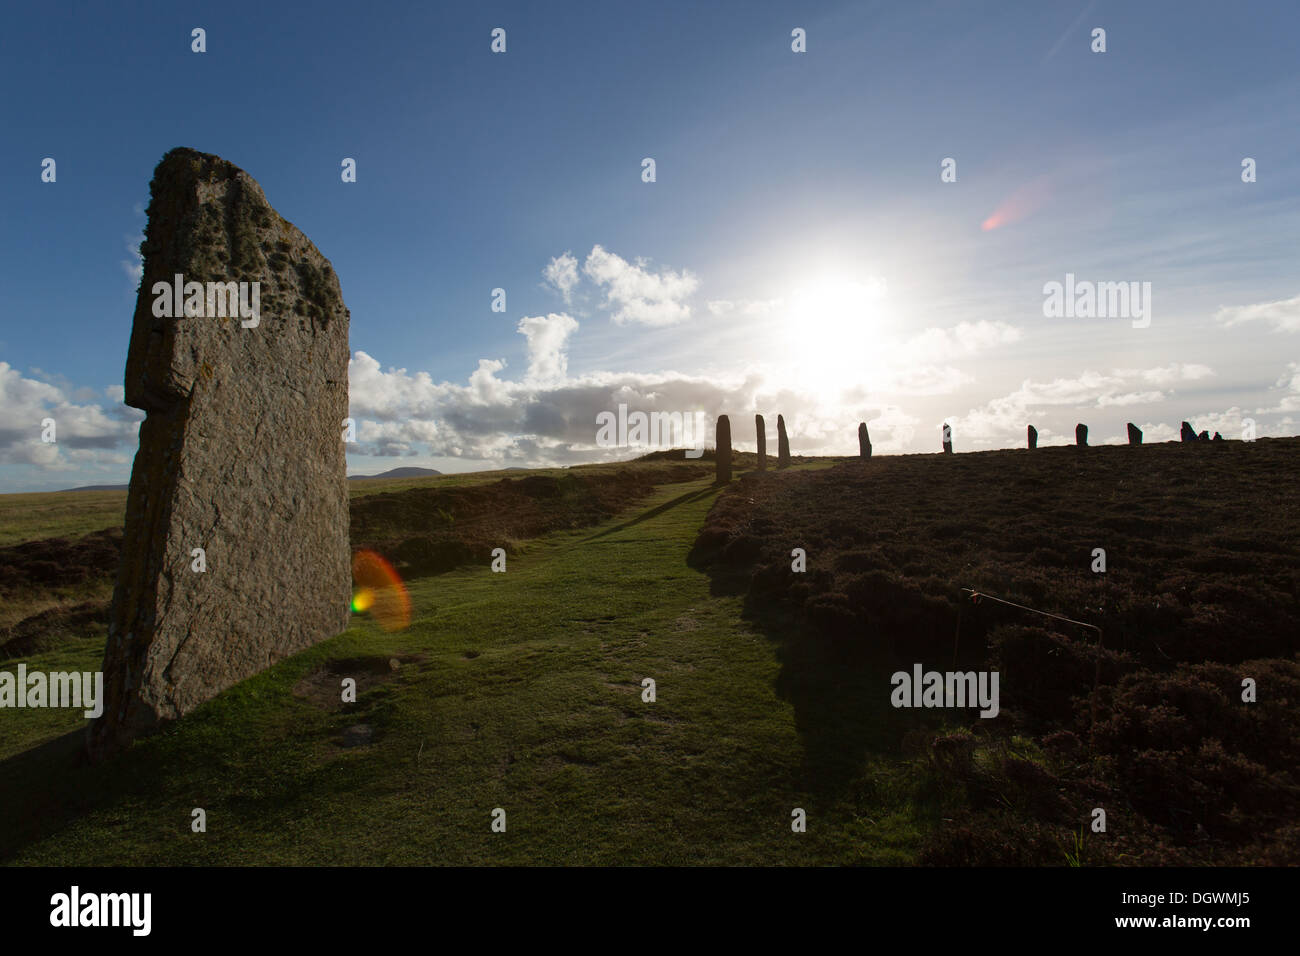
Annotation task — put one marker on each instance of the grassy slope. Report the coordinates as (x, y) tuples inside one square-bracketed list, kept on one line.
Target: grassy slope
[(70, 514), (520, 691), (58, 514)]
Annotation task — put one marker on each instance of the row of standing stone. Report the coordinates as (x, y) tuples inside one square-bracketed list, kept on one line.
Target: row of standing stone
[(723, 457), (864, 441), (1134, 435)]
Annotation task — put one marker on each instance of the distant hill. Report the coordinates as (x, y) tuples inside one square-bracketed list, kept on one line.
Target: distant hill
[(98, 488), (398, 473)]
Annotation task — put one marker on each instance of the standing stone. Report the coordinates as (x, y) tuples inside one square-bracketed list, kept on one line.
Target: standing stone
[(1188, 433), (1204, 436), (1217, 437), (782, 443), (1081, 435), (241, 455), (864, 441), (761, 428), (1033, 437), (947, 439), (1134, 434), (723, 456)]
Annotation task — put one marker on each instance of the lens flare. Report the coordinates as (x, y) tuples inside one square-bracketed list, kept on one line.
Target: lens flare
[(1024, 202), (380, 591)]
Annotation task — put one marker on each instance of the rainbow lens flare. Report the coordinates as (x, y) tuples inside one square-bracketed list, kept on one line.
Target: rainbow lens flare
[(380, 591)]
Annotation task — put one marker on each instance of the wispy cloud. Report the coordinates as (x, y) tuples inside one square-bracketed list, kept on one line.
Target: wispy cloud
[(1283, 315), (637, 294), (561, 274)]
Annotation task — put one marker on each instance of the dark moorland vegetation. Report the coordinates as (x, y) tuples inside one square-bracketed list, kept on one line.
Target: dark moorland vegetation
[(1201, 590)]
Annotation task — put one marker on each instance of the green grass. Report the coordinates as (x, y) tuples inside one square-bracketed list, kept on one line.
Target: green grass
[(520, 690), (70, 514), (58, 514)]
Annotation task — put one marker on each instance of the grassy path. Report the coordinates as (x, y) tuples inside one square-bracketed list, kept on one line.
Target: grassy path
[(520, 691)]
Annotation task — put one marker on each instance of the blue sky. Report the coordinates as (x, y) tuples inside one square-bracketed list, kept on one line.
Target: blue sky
[(797, 252)]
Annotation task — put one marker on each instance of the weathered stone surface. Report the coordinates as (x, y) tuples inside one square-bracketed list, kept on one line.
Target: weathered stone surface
[(241, 454), (864, 441), (782, 443), (723, 457), (1033, 437), (1188, 433), (760, 428), (947, 439), (1081, 435), (1134, 434)]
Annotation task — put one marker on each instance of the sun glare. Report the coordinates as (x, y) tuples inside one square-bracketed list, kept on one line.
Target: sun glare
[(832, 322)]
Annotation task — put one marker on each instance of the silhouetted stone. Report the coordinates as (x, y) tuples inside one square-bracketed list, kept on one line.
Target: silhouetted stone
[(1033, 437), (1217, 437), (1188, 432), (761, 428), (1134, 434), (1204, 436), (947, 439), (782, 443), (1081, 435), (724, 449), (864, 441), (241, 454)]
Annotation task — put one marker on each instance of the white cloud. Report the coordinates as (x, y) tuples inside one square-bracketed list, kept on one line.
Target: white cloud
[(1169, 374), (1004, 419), (1290, 401), (1283, 315), (961, 341), (640, 296), (86, 433), (745, 307), (1130, 398), (133, 267), (547, 337), (561, 273)]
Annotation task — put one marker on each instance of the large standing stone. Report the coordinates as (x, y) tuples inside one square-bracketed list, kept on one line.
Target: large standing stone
[(1081, 435), (782, 443), (1188, 433), (723, 456), (864, 441), (241, 455), (1134, 434), (761, 428), (947, 439), (1033, 437)]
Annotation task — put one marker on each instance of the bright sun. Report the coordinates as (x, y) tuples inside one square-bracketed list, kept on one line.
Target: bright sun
[(831, 323)]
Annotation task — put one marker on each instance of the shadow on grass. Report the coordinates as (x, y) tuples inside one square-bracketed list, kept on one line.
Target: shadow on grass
[(44, 789), (839, 692), (654, 512), (840, 700), (239, 770)]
